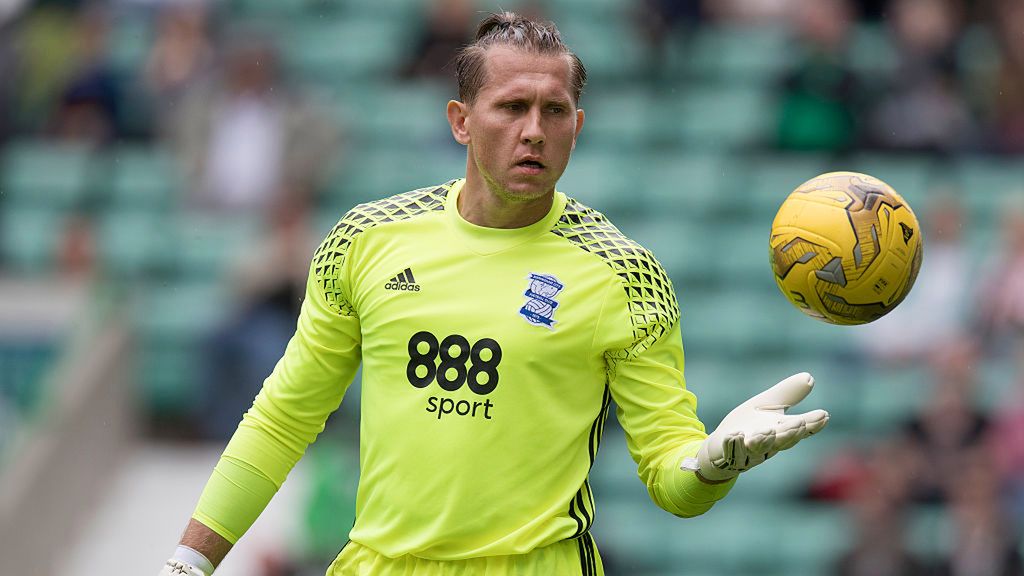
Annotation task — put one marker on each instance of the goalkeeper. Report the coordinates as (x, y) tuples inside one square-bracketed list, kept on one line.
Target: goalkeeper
[(495, 319)]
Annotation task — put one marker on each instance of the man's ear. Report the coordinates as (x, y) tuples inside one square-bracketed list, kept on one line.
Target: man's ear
[(580, 116), (458, 118)]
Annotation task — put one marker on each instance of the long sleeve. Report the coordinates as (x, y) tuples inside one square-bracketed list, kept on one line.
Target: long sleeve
[(306, 386), (658, 415)]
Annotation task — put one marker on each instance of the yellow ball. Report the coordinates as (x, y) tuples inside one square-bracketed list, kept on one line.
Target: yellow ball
[(845, 248)]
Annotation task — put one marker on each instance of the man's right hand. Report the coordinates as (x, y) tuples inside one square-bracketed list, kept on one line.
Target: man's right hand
[(178, 568)]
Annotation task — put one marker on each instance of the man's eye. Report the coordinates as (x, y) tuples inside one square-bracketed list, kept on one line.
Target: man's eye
[(556, 109), (514, 107)]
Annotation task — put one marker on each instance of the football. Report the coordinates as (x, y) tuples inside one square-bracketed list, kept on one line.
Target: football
[(845, 248)]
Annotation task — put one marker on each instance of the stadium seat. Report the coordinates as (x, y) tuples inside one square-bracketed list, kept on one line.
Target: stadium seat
[(29, 238), (394, 114), (987, 187), (343, 49), (375, 173), (40, 173), (913, 177), (604, 180), (765, 180), (171, 320), (143, 177), (133, 243), (730, 320), (609, 47), (719, 116), (738, 54), (689, 185), (872, 53), (679, 245), (616, 119), (207, 246), (889, 397), (741, 252)]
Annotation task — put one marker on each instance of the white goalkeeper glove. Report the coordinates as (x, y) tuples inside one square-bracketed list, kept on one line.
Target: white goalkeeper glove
[(187, 562), (756, 430)]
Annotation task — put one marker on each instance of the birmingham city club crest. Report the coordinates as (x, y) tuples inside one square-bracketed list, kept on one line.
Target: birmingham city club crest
[(539, 309)]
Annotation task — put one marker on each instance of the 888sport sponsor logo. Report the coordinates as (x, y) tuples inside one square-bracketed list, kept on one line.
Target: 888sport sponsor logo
[(451, 363)]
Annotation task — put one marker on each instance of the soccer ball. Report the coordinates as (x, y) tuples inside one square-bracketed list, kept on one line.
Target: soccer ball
[(845, 248)]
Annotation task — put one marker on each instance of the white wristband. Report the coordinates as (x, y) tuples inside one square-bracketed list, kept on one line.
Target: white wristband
[(190, 556)]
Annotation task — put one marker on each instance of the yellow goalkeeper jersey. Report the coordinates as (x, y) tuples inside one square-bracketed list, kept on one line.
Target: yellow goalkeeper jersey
[(489, 360)]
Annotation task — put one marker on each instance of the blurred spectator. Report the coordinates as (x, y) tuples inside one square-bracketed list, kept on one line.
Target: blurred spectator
[(447, 27), (249, 140), (984, 542), (920, 106), (878, 505), (267, 286), (180, 57), (659, 20), (935, 312), (1007, 439), (1000, 321), (819, 102), (8, 66), (88, 108), (949, 427), (43, 60), (1006, 107), (76, 252)]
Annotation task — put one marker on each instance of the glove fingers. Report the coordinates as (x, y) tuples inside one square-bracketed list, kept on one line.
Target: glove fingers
[(734, 453), (815, 420), (784, 394), (799, 426), (761, 442)]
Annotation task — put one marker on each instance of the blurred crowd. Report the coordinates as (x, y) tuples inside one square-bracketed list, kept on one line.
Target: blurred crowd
[(250, 139)]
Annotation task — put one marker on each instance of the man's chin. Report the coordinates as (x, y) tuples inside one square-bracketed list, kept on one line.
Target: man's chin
[(519, 191)]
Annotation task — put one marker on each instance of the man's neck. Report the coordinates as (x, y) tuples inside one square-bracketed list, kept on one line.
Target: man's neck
[(480, 205)]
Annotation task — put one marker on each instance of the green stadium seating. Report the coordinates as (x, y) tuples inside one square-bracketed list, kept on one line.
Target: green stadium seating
[(617, 119), (915, 178), (988, 186), (719, 116), (739, 54), (890, 396), (872, 53), (609, 48), (29, 238), (603, 180), (763, 182), (40, 173), (144, 177), (343, 50), (206, 246), (688, 185), (730, 320), (375, 173), (170, 321), (133, 244), (395, 115)]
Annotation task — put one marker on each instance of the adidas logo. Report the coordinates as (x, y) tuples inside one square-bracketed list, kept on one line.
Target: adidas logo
[(403, 282)]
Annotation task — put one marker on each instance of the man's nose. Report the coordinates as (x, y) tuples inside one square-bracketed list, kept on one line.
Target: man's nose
[(533, 131)]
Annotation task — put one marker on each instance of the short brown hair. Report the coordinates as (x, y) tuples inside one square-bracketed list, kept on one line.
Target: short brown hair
[(515, 31)]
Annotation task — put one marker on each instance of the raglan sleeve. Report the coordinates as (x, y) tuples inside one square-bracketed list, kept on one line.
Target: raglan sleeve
[(305, 387), (645, 374)]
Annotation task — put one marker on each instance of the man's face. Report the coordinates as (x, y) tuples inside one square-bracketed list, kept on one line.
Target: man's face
[(522, 126)]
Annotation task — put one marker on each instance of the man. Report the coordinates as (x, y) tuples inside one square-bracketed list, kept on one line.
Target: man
[(495, 319)]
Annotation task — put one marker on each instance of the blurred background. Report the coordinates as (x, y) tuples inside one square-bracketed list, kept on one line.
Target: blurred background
[(168, 166)]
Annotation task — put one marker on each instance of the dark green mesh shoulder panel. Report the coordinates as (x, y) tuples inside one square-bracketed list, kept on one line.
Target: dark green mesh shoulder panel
[(330, 256), (649, 293)]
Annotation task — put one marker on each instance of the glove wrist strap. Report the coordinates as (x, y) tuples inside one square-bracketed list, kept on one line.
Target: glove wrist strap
[(193, 557)]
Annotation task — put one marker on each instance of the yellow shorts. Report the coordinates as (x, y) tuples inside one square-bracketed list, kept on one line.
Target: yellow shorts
[(576, 557)]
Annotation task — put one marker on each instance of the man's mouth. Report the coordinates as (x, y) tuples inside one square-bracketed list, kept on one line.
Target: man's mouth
[(531, 165)]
